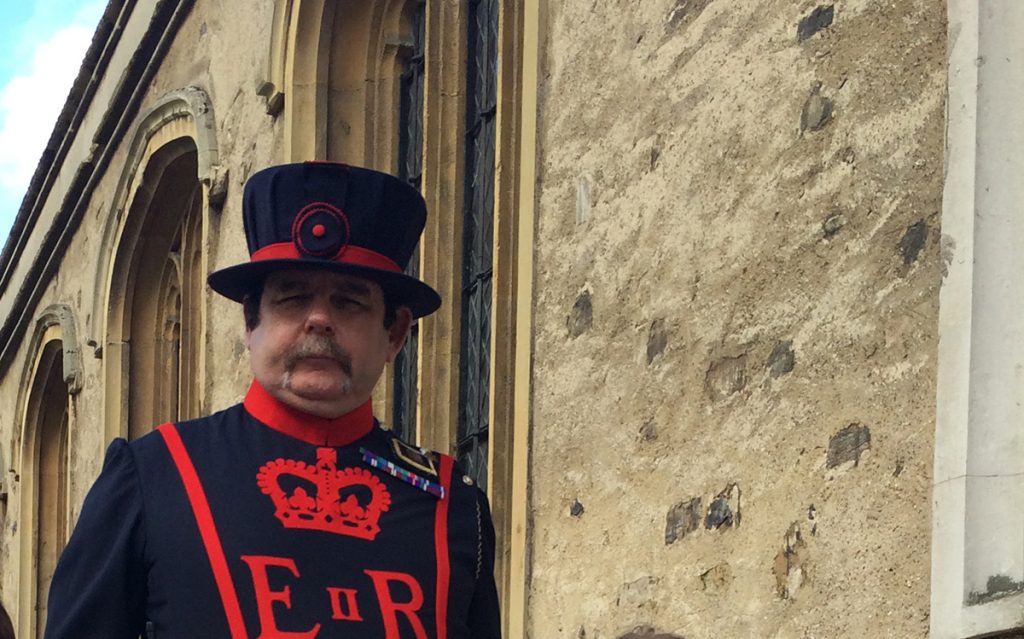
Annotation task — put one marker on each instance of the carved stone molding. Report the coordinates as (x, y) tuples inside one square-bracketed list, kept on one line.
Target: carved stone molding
[(63, 315)]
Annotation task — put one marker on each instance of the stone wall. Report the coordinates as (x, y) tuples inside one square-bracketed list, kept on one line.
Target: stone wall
[(737, 289)]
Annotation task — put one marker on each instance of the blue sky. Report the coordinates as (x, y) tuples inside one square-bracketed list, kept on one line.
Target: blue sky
[(42, 43)]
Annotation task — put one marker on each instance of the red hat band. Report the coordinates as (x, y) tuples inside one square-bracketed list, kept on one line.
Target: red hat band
[(349, 254)]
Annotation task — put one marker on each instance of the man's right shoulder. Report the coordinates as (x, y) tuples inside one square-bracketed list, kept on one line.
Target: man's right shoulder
[(200, 428)]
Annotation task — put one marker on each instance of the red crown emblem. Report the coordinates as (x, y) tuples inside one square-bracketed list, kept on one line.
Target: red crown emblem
[(345, 502)]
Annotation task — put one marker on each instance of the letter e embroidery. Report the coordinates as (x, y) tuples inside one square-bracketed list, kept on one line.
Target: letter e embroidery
[(265, 597)]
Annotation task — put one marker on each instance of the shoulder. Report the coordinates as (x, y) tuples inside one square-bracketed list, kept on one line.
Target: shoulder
[(153, 445), (414, 463), (119, 461), (230, 415)]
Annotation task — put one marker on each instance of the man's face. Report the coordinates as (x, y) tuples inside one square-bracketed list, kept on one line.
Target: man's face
[(321, 345)]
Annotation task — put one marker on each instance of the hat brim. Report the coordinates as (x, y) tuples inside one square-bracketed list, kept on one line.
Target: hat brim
[(235, 282)]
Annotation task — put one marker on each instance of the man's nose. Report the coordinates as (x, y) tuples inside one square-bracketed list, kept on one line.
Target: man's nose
[(318, 320)]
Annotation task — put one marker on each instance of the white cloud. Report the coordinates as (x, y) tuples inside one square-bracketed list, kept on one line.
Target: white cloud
[(31, 101)]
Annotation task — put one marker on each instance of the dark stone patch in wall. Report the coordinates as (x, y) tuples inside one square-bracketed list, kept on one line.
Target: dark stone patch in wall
[(685, 11), (581, 318), (649, 431), (997, 587), (833, 224), (724, 511), (817, 111), (719, 514), (657, 340), (682, 518), (782, 360), (648, 632), (913, 241), (726, 376), (847, 445), (576, 509), (815, 21)]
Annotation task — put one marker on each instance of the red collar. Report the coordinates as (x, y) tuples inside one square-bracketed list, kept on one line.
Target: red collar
[(319, 431)]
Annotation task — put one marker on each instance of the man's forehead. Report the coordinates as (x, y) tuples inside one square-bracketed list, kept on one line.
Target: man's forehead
[(307, 278)]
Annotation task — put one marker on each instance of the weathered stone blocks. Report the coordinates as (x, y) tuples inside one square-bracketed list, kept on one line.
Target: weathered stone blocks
[(683, 518), (848, 445), (913, 241), (817, 111), (581, 317), (782, 359), (726, 376), (724, 511), (657, 340), (815, 21)]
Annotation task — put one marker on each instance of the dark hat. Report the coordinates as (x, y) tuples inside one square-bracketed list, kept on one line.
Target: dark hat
[(336, 217)]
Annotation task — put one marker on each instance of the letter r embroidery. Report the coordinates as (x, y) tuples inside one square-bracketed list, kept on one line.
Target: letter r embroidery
[(389, 608)]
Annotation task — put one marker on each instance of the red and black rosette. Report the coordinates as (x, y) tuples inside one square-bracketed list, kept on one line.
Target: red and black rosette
[(321, 230)]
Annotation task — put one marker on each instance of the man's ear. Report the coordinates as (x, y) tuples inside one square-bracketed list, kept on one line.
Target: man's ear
[(399, 331), (248, 331)]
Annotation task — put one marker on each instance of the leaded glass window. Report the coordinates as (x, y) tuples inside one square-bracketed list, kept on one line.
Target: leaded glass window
[(478, 228), (410, 169)]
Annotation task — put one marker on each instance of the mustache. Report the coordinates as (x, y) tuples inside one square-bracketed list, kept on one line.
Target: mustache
[(319, 346)]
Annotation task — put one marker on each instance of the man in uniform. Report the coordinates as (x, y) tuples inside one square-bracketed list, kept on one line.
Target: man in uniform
[(292, 515)]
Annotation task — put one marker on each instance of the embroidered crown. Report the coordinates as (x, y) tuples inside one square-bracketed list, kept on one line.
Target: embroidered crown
[(345, 502)]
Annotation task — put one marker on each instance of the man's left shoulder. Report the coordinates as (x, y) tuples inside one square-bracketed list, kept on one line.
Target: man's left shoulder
[(427, 469)]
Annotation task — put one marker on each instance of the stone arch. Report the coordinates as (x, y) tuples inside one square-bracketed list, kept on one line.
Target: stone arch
[(186, 113), (51, 376), (55, 322), (152, 301)]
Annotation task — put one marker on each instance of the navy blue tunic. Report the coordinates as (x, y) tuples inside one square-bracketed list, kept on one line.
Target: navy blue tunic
[(314, 540)]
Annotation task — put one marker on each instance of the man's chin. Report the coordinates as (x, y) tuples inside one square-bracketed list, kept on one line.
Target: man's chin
[(317, 388), (320, 402)]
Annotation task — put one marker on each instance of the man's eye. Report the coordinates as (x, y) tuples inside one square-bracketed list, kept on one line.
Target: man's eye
[(347, 302)]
